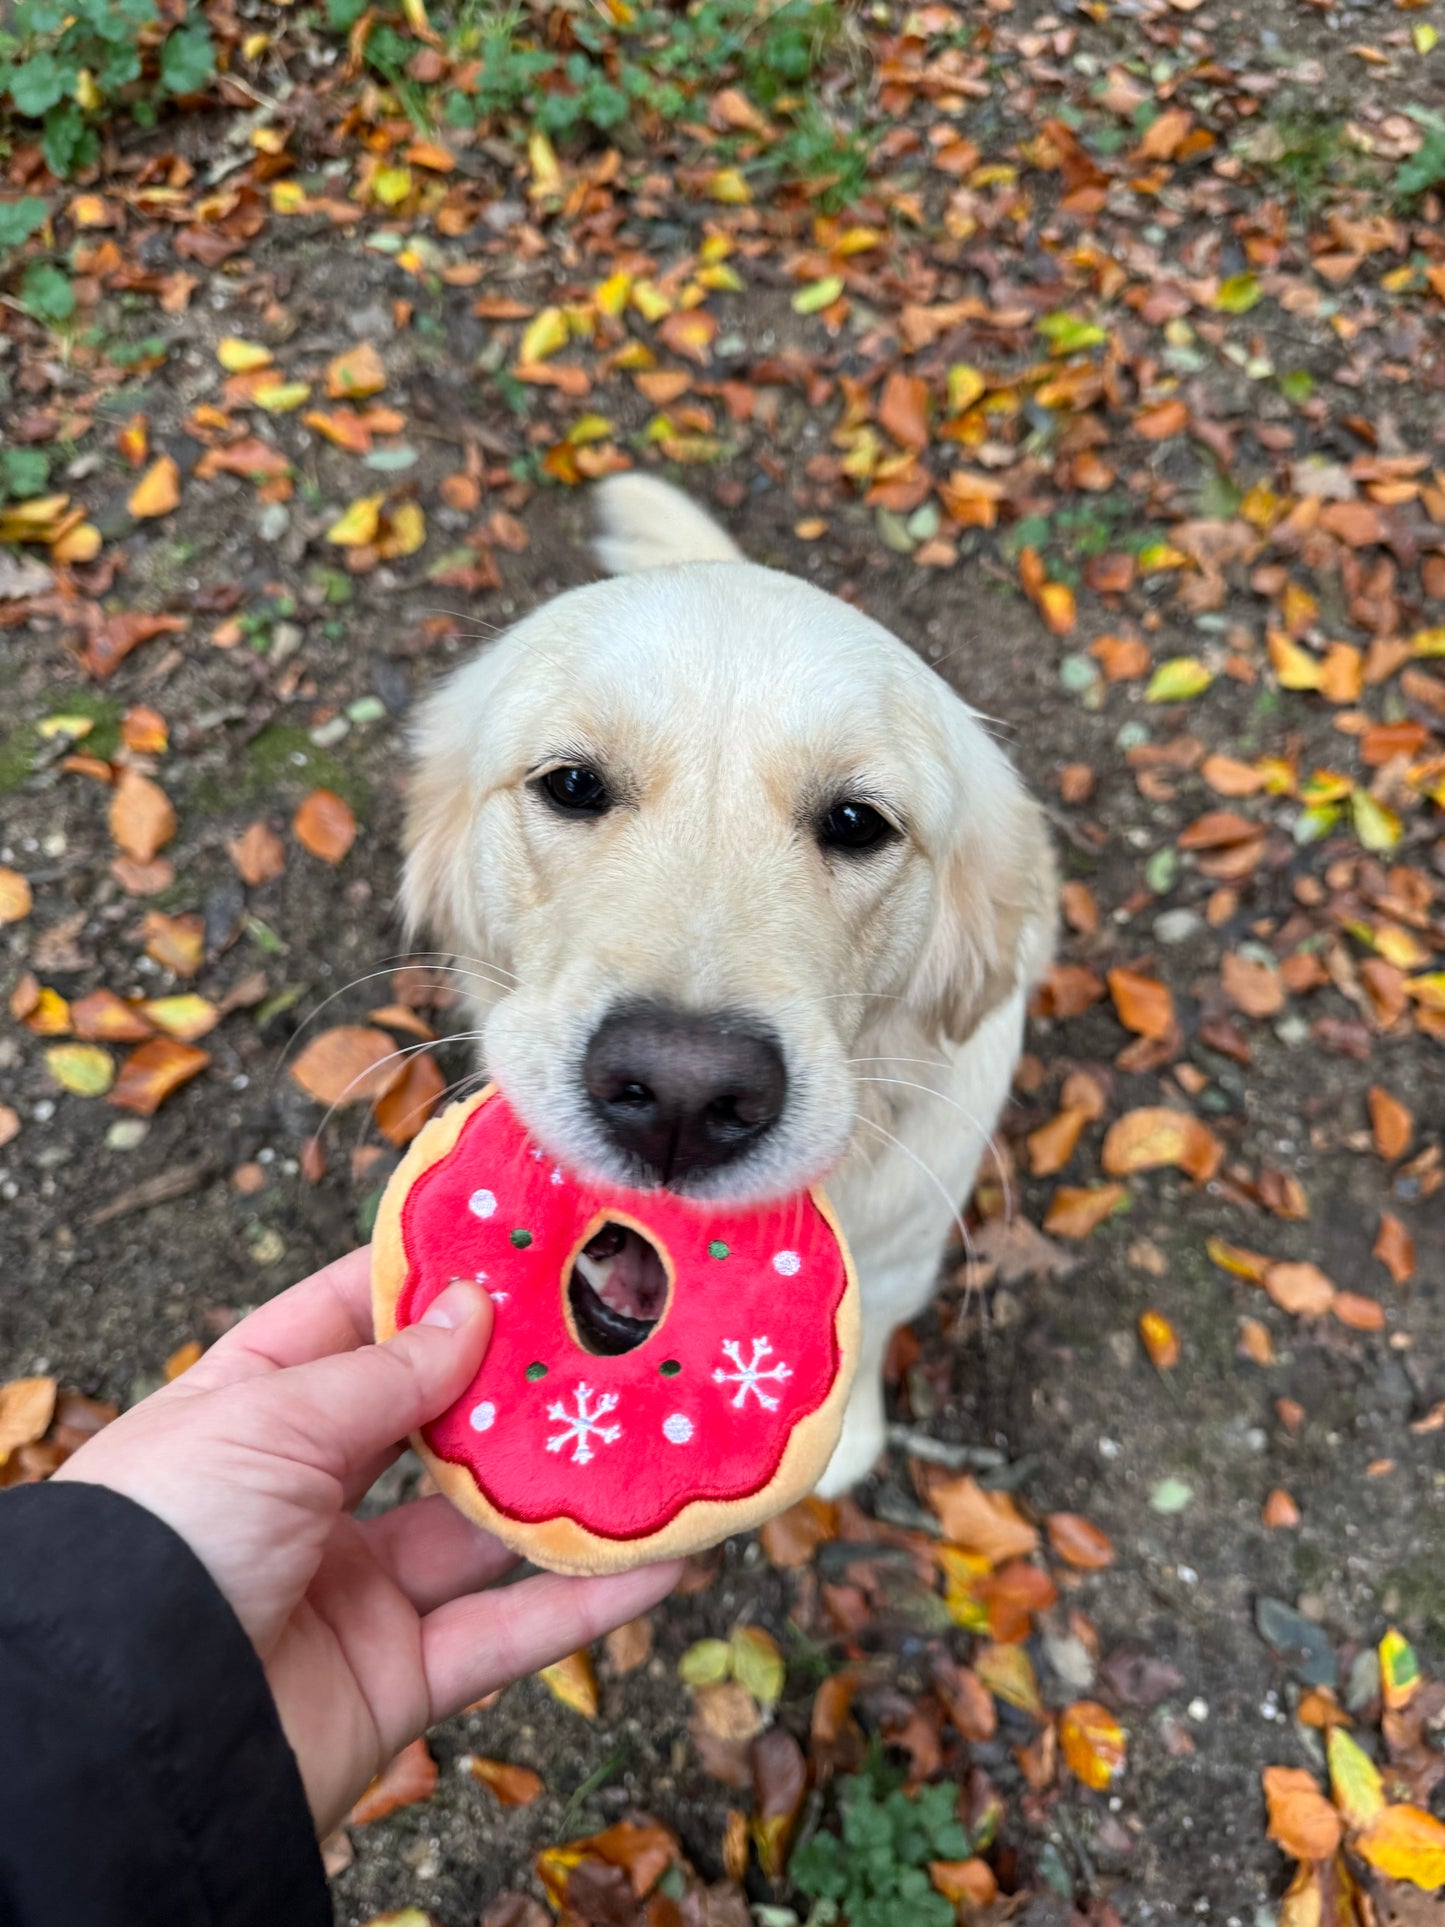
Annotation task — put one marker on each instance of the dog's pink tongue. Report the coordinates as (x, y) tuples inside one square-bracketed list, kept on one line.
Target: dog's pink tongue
[(635, 1282)]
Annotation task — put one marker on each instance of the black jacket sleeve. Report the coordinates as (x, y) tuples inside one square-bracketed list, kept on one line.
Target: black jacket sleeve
[(147, 1777)]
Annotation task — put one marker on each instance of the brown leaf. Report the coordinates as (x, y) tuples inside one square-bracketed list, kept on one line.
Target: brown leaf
[(791, 1538), (1161, 419), (1251, 985), (325, 826), (109, 1019), (628, 1646), (1052, 1144), (1301, 1289), (350, 1064), (1361, 1314), (27, 1406), (970, 1705), (1218, 830), (157, 492), (144, 731), (1164, 135), (9, 1124), (1080, 908), (113, 641), (1159, 1339), (1147, 1139), (903, 409), (141, 818), (1079, 1542), (15, 896), (1228, 777), (258, 854), (152, 1071), (178, 943), (780, 1779), (410, 1777), (143, 879), (405, 1106), (1077, 1211), (1019, 1250), (1145, 1006), (1279, 1512), (1122, 658), (988, 1523), (964, 1880), (354, 375), (1395, 1248), (514, 1786), (1301, 1819), (1392, 1123)]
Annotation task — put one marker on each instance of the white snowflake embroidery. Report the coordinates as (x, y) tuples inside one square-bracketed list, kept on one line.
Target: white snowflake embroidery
[(583, 1426), (786, 1263), (484, 1416), (482, 1204), (749, 1372), (677, 1428)]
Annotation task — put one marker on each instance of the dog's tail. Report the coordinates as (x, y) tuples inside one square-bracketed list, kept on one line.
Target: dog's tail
[(647, 524)]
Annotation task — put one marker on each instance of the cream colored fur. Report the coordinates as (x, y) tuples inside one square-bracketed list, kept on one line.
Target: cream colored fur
[(726, 704)]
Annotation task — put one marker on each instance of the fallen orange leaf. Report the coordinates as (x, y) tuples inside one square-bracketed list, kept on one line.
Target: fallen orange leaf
[(410, 1777), (325, 825), (108, 1019), (157, 492), (903, 409), (178, 943), (1052, 1144), (354, 375), (964, 1880), (405, 1106), (349, 1064), (1406, 1843), (988, 1523), (1145, 1140), (514, 1786), (1076, 1211), (1159, 1339), (1301, 1819), (16, 898), (258, 854), (1145, 1006), (152, 1071), (573, 1681), (141, 818), (1392, 1123), (1301, 1289), (1280, 1511), (1079, 1541), (181, 1360), (1252, 985), (1093, 1743), (27, 1406), (1361, 1314), (1395, 1248)]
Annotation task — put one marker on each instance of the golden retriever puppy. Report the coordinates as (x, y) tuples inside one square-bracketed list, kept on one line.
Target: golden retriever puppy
[(752, 899)]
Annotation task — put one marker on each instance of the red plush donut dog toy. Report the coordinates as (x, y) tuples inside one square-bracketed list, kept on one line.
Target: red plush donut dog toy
[(661, 1372)]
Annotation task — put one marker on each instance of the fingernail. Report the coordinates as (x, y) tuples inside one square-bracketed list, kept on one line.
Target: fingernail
[(454, 1307)]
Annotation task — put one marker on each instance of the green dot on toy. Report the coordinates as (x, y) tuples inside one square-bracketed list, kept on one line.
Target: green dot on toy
[(669, 1368), (536, 1370), (521, 1239), (717, 1249)]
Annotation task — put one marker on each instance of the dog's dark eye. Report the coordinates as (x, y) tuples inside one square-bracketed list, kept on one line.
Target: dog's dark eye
[(576, 789), (854, 827)]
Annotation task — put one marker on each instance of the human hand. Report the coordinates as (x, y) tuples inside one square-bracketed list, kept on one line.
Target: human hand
[(369, 1631)]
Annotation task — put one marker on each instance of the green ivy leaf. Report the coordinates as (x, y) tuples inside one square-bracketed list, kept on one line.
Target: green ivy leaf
[(67, 142), (23, 472), (19, 220), (188, 60), (36, 85), (47, 293)]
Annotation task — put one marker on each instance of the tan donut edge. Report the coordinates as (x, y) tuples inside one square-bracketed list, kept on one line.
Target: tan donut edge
[(561, 1545)]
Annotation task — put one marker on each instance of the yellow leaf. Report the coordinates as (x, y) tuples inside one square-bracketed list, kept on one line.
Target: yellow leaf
[(1406, 1843), (544, 336), (1008, 1673), (83, 1069), (758, 1665), (1399, 1668), (73, 727), (354, 375), (288, 197), (405, 532), (239, 357), (707, 1662), (542, 159), (87, 94), (158, 491), (611, 295), (1377, 826), (1295, 668), (281, 399), (590, 428), (49, 1016), (964, 1573), (817, 295), (1178, 680), (1425, 37), (358, 526), (1428, 642), (649, 300), (1354, 1779), (186, 1016), (80, 543), (573, 1681), (729, 187), (1093, 1743), (721, 279), (965, 386), (391, 185)]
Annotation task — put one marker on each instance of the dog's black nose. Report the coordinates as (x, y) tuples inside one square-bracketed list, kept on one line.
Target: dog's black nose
[(683, 1092)]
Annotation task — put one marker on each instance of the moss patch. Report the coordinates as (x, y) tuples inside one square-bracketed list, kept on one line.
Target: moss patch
[(281, 762)]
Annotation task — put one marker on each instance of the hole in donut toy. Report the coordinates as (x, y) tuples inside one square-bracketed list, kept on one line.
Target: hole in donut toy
[(618, 1290)]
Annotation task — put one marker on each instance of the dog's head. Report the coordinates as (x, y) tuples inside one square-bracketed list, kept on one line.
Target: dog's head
[(699, 831)]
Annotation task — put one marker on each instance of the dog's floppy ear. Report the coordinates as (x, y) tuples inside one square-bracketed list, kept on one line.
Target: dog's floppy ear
[(439, 887), (993, 927)]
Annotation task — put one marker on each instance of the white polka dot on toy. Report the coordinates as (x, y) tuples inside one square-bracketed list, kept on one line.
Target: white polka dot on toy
[(484, 1416), (677, 1427), (787, 1262), (482, 1204)]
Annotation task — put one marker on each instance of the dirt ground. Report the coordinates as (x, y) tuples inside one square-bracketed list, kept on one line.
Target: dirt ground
[(1174, 1465)]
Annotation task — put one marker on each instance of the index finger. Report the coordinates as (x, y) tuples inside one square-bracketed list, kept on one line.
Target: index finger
[(328, 1312)]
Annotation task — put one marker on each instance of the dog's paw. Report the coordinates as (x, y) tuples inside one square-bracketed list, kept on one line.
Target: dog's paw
[(857, 1452)]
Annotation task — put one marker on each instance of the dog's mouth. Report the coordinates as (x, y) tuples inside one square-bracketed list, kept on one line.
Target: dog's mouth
[(617, 1291)]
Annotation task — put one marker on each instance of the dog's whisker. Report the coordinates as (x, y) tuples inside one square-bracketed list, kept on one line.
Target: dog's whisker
[(955, 1211), (990, 1138), (430, 959), (402, 1051)]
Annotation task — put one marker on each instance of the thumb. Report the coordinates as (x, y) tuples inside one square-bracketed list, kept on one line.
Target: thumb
[(355, 1404)]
